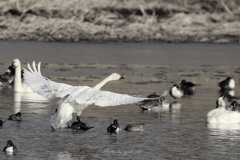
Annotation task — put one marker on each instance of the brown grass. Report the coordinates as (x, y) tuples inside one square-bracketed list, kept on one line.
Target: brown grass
[(121, 20)]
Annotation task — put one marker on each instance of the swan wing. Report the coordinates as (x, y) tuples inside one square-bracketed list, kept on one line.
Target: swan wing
[(106, 98), (85, 95), (42, 85)]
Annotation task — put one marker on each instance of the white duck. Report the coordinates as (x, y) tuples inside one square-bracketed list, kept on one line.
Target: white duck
[(74, 98), (18, 86)]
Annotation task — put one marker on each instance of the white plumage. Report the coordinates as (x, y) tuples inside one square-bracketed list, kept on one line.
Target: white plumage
[(230, 117), (176, 92), (75, 98), (221, 115), (220, 107), (18, 86)]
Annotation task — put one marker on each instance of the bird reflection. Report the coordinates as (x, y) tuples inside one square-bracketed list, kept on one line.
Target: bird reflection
[(224, 126), (19, 98), (229, 94)]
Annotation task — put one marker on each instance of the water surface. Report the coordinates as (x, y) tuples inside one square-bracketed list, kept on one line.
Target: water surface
[(179, 132)]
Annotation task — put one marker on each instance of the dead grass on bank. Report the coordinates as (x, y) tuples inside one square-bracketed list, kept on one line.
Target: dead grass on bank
[(125, 20)]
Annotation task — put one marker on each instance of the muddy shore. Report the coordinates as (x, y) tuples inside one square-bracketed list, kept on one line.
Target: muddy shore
[(169, 21)]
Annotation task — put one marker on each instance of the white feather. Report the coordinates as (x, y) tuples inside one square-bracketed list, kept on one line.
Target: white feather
[(228, 117), (9, 149), (77, 98), (221, 115)]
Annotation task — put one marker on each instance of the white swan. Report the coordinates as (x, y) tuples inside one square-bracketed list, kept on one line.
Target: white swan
[(219, 108), (18, 86), (221, 115), (112, 77), (228, 117), (74, 98)]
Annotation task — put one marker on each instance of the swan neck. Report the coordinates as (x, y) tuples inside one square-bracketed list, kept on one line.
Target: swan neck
[(102, 83), (222, 108), (17, 80)]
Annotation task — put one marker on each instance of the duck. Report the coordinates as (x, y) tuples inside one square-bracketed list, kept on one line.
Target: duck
[(155, 106), (113, 127), (227, 84), (1, 122), (10, 148), (74, 99), (6, 79), (220, 107), (176, 92), (15, 117), (79, 125), (18, 86), (153, 95), (134, 127), (150, 104), (187, 87), (233, 106)]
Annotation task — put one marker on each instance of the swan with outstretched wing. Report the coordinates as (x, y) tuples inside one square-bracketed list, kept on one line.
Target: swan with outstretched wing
[(74, 98)]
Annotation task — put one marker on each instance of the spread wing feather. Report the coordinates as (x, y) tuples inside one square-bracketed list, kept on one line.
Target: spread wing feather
[(42, 85), (83, 95)]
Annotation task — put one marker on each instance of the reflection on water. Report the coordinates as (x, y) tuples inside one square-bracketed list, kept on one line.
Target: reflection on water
[(28, 97), (21, 98), (17, 99)]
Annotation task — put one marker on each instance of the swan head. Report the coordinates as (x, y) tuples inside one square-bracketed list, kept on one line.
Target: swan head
[(220, 102), (116, 76), (16, 63)]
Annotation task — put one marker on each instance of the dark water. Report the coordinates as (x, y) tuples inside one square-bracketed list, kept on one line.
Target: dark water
[(179, 132)]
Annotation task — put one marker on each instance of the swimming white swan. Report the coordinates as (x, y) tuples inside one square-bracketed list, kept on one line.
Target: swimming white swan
[(18, 86), (74, 98), (221, 115), (219, 108), (228, 117)]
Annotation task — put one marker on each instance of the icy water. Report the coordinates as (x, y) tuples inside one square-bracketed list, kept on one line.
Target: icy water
[(177, 132)]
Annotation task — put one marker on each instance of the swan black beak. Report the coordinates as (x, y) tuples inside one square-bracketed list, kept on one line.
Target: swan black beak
[(122, 77)]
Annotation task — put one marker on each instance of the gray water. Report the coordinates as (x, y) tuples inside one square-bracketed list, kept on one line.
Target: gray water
[(169, 133)]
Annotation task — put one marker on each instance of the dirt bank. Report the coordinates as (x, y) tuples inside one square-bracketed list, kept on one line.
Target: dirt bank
[(216, 21)]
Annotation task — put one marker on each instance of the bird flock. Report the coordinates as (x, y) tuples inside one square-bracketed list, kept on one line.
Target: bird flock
[(74, 99)]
